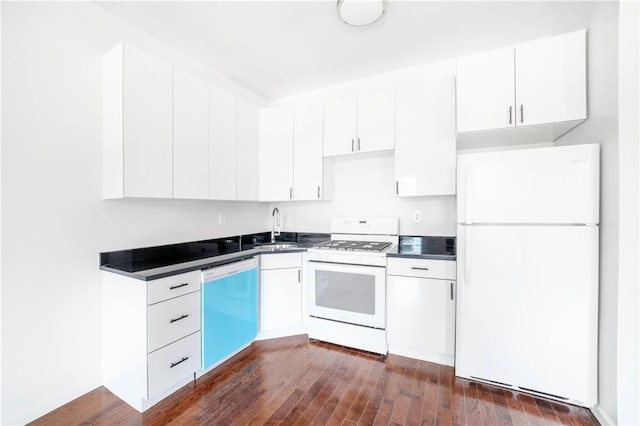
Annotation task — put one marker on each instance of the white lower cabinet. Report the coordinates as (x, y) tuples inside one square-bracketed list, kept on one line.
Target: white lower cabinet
[(280, 295), (421, 309), (151, 336), (172, 363)]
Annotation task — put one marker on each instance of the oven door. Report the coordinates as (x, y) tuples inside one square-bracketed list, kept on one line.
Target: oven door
[(348, 293)]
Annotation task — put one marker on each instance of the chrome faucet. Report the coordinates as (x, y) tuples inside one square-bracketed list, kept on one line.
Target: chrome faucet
[(275, 228)]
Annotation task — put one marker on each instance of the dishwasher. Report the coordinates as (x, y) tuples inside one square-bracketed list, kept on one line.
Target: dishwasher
[(229, 310)]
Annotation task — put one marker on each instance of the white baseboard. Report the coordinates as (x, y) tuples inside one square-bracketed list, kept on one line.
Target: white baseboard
[(603, 418), (39, 409), (406, 351), (274, 334)]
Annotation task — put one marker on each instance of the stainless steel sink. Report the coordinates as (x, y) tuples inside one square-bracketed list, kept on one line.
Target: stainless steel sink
[(277, 246)]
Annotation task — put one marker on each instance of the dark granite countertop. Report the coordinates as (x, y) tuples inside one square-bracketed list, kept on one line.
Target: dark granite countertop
[(424, 247), (150, 263)]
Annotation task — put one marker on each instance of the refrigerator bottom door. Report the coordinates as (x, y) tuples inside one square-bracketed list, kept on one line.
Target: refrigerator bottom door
[(528, 308)]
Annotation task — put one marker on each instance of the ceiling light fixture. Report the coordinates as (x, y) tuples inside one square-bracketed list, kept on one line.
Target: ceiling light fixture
[(360, 13)]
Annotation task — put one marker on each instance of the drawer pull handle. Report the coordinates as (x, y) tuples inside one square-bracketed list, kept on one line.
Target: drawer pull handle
[(173, 287), (184, 358), (172, 320), (419, 269)]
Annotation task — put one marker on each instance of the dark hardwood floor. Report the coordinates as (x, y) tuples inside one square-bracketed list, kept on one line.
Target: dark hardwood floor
[(292, 381)]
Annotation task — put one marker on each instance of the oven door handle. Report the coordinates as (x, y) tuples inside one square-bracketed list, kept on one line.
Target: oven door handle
[(345, 264)]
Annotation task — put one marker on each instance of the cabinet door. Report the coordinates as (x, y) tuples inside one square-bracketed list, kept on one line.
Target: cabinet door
[(307, 153), (421, 316), (280, 299), (147, 100), (173, 363), (485, 91), (376, 122), (425, 154), (190, 136), (222, 145), (248, 150), (551, 79), (276, 154), (340, 127)]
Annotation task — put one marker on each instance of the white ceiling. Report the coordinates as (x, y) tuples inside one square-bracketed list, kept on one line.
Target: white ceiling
[(282, 48)]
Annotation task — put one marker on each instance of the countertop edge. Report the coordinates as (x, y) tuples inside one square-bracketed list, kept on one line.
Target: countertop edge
[(180, 268), (423, 256), (210, 262), (194, 265)]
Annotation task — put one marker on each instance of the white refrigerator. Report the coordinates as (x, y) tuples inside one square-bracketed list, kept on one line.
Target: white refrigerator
[(527, 307)]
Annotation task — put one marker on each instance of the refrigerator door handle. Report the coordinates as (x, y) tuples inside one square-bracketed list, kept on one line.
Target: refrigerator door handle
[(468, 201), (466, 254)]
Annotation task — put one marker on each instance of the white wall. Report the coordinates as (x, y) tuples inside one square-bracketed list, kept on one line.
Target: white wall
[(1, 7), (628, 361), (54, 222), (364, 186)]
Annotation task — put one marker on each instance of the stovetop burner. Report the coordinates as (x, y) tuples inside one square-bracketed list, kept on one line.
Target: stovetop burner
[(353, 245)]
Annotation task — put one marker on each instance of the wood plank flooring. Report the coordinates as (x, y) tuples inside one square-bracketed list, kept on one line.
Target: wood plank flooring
[(292, 381)]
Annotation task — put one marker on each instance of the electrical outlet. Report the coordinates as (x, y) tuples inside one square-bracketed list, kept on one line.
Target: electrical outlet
[(417, 216)]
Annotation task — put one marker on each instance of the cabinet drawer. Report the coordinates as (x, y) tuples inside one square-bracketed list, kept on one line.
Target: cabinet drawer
[(173, 363), (172, 319), (280, 260), (422, 268), (173, 286)]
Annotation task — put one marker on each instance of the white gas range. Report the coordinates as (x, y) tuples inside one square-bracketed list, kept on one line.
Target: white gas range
[(345, 283)]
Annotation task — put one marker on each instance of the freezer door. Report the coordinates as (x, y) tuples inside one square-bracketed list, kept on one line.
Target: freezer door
[(554, 185), (528, 308)]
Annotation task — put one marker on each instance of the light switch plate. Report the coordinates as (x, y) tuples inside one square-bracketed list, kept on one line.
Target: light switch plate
[(417, 216)]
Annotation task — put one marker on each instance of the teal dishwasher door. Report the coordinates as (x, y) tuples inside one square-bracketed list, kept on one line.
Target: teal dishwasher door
[(229, 309)]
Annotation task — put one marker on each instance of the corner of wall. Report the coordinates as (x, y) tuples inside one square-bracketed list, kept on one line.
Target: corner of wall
[(1, 5), (602, 417), (628, 319)]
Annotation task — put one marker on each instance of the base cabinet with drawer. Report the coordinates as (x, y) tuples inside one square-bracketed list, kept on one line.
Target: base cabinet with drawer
[(151, 336), (421, 308), (280, 295)]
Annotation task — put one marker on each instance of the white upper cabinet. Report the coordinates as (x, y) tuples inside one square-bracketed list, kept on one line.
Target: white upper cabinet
[(137, 124), (540, 82), (307, 153), (248, 142), (425, 153), (375, 122), (485, 91), (551, 80), (222, 145), (276, 154), (340, 120), (190, 136), (359, 124)]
